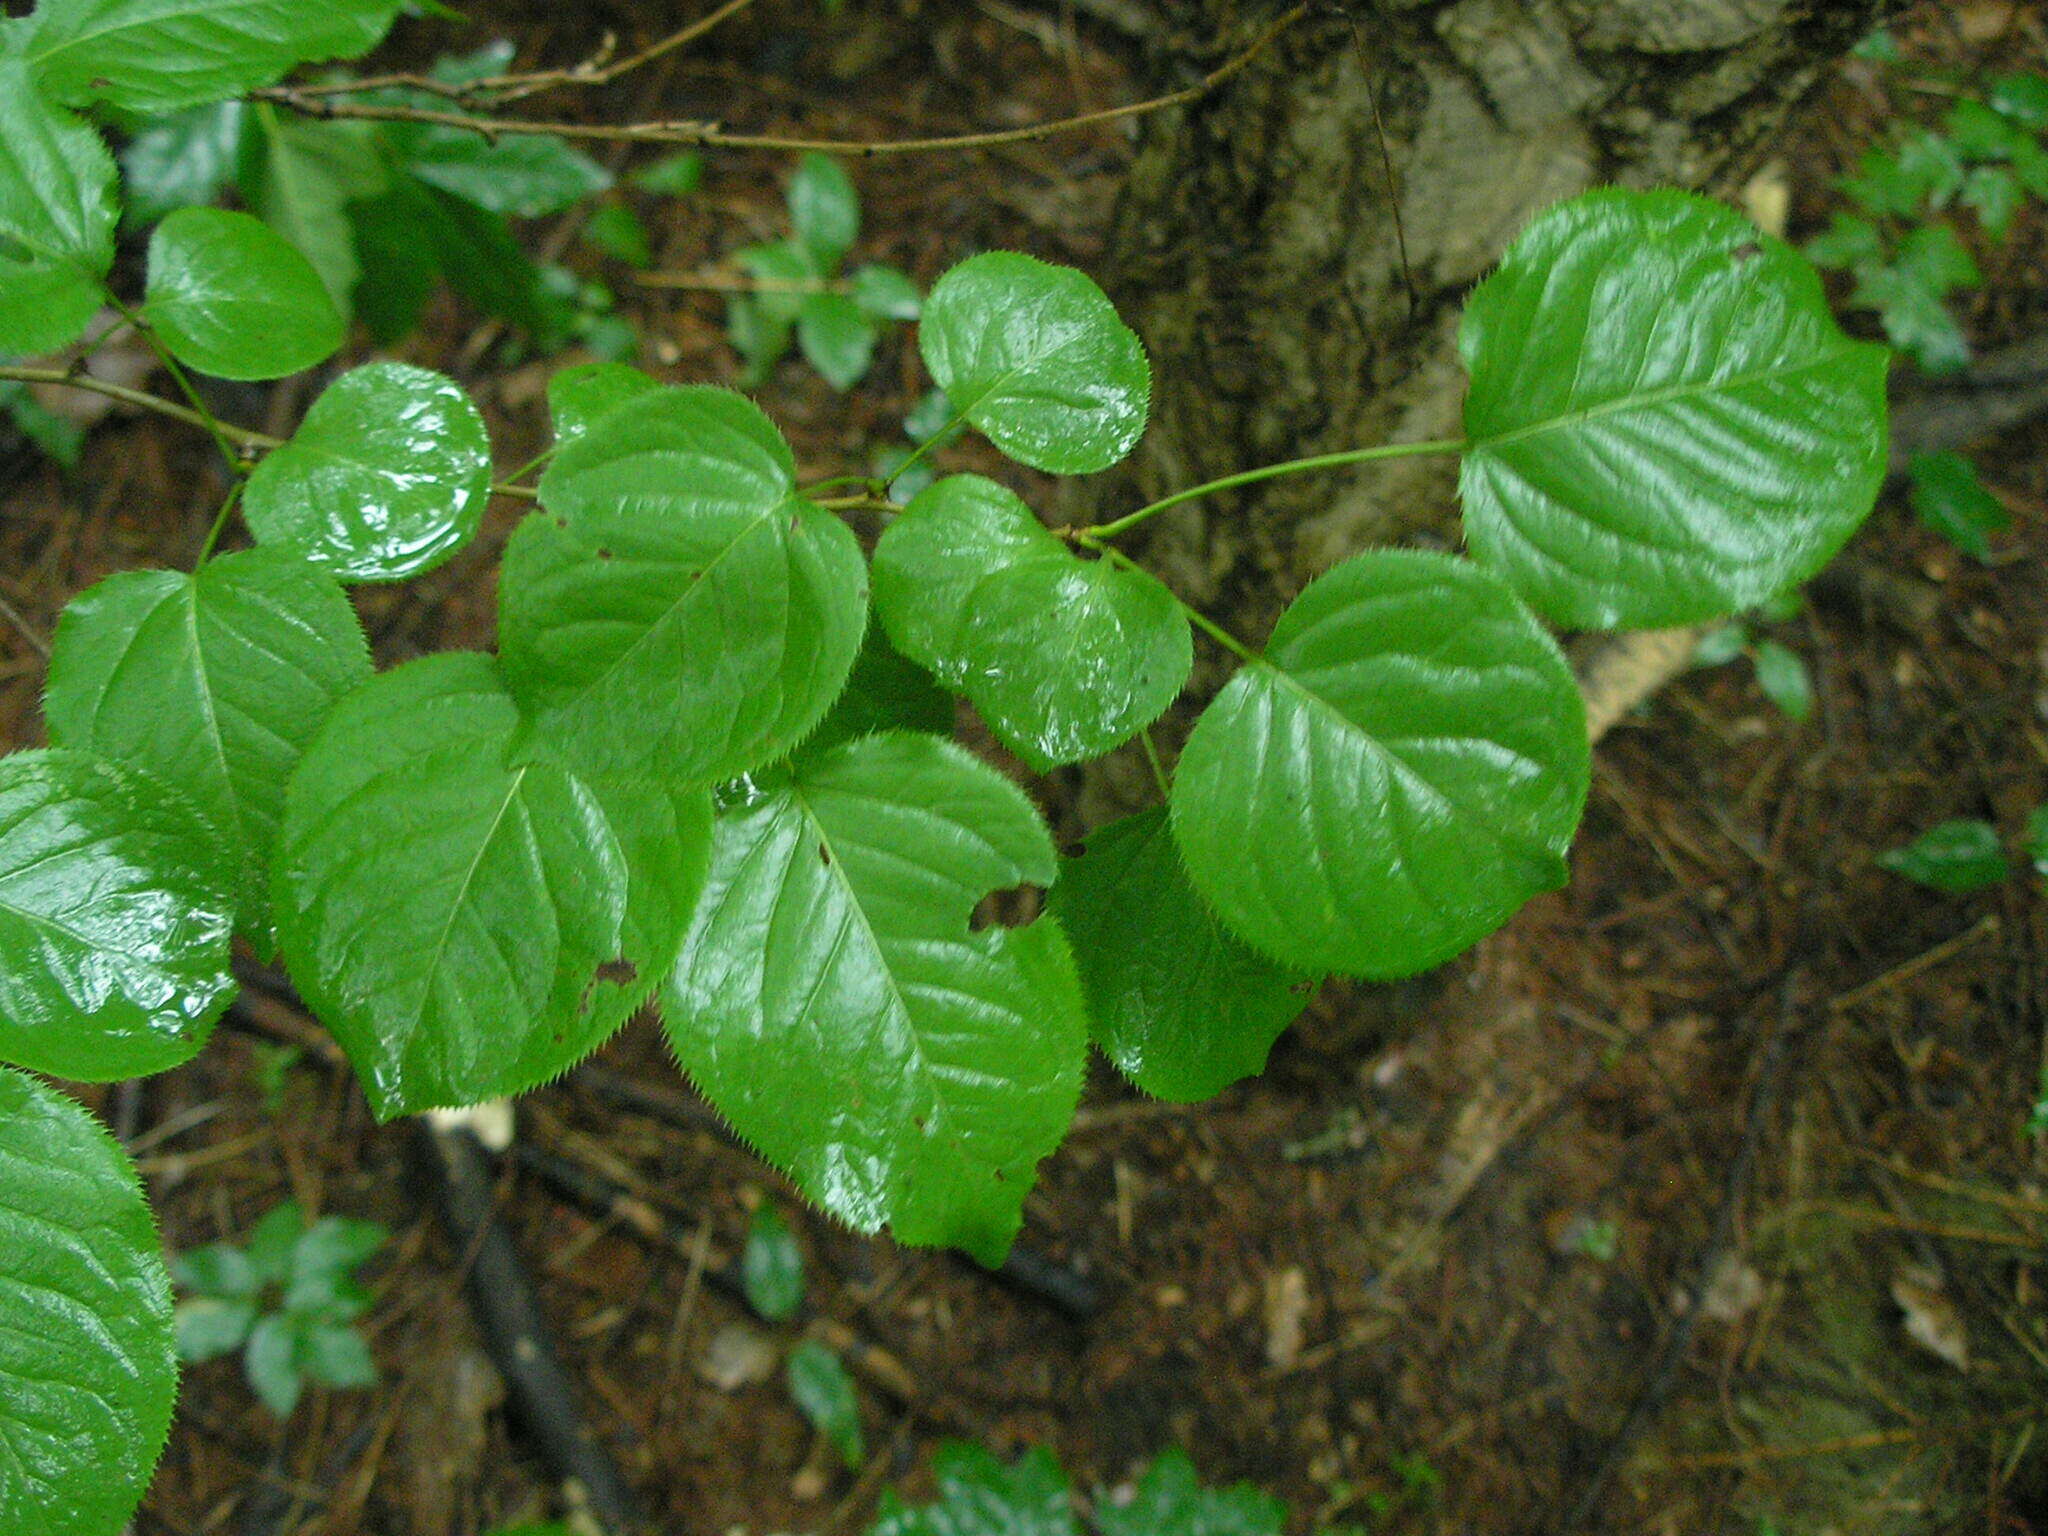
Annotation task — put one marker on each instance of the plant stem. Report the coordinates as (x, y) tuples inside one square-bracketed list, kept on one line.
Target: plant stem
[(1094, 536), (141, 399), (861, 503), (220, 522), (528, 467), (874, 485), (230, 448), (1152, 757)]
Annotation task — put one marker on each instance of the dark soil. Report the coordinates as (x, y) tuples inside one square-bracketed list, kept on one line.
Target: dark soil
[(1628, 1221)]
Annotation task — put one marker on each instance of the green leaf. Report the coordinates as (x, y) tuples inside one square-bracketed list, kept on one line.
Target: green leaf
[(824, 1392), (2035, 839), (213, 682), (299, 178), (526, 175), (2022, 97), (57, 218), (335, 1355), (1035, 356), (273, 1241), (676, 607), (824, 209), (1180, 1005), (335, 1246), (160, 55), (1170, 1501), (616, 230), (270, 1362), (1910, 296), (1931, 165), (1949, 498), (114, 920), (886, 293), (1850, 243), (1956, 857), (837, 338), (88, 1368), (519, 914), (180, 161), (834, 1004), (772, 1269), (932, 418), (789, 272), (760, 339), (1982, 134), (1065, 658), (979, 1496), (1403, 769), (386, 477), (59, 437), (1995, 193), (217, 1270), (208, 1327), (676, 175), (1665, 423), (886, 692), (1784, 680), (1720, 645), (476, 251), (580, 395), (229, 297)]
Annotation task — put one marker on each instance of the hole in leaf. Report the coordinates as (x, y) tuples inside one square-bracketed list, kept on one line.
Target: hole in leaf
[(1013, 908)]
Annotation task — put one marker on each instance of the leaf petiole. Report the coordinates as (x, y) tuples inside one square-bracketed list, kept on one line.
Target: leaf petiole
[(1093, 537)]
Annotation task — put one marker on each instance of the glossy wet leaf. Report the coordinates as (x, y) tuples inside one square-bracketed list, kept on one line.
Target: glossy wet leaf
[(824, 208), (980, 1496), (1036, 358), (836, 337), (465, 925), (57, 218), (1665, 423), (88, 1370), (1956, 857), (1404, 769), (824, 1393), (1181, 1005), (386, 477), (676, 607), (1065, 658), (115, 909), (835, 1005), (772, 1267), (231, 297), (578, 396), (1949, 498), (213, 682), (159, 55), (1170, 1500)]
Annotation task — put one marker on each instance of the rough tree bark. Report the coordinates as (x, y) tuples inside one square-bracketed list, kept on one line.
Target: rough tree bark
[(1257, 252)]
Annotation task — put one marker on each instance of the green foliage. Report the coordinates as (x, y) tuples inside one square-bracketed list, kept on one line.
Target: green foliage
[(1182, 1006), (214, 682), (1956, 857), (87, 1373), (1707, 439), (696, 769), (772, 1267), (115, 909), (1902, 245), (1035, 357), (824, 1393), (1780, 672), (386, 477), (958, 1057), (1065, 658), (1169, 1500), (288, 1300), (836, 322), (1412, 738), (1949, 498), (526, 911), (229, 297)]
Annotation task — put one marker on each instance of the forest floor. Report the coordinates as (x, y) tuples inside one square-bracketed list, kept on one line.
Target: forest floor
[(1700, 1199)]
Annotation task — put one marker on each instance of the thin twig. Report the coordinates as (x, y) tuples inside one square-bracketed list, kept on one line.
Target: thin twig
[(710, 135), (35, 641)]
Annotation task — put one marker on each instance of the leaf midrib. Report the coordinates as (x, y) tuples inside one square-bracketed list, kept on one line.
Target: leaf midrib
[(1663, 396), (462, 891)]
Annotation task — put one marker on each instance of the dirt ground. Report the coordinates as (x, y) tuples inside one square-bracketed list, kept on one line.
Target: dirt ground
[(1698, 1200)]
